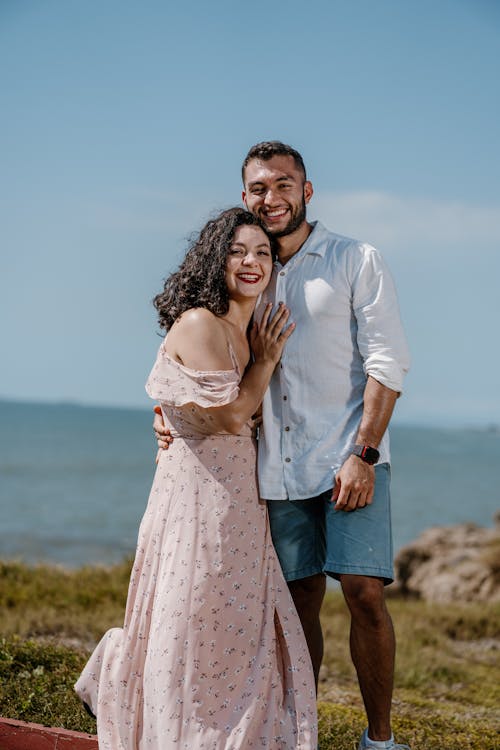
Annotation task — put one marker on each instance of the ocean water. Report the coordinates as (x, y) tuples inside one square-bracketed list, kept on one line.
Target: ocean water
[(74, 481)]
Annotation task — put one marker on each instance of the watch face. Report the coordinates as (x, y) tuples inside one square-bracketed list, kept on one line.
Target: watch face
[(367, 454)]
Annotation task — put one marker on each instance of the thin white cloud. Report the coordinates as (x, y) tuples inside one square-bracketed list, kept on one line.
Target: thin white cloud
[(397, 225), (175, 213), (394, 222)]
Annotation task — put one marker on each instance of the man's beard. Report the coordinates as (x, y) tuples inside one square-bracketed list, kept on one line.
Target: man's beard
[(293, 224)]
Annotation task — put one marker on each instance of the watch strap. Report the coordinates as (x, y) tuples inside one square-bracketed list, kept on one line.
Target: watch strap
[(366, 453)]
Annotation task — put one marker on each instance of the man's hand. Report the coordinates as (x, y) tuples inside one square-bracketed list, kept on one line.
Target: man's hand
[(355, 481), (163, 436), (354, 485)]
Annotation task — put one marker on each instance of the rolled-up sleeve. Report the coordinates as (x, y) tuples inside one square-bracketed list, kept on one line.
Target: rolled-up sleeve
[(380, 335)]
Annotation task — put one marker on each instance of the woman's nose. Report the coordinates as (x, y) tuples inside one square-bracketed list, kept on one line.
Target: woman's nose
[(250, 259)]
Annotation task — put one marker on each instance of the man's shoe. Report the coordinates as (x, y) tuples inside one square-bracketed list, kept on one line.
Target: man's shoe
[(364, 746)]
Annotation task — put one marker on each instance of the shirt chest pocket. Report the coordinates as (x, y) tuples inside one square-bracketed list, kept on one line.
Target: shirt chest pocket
[(323, 300)]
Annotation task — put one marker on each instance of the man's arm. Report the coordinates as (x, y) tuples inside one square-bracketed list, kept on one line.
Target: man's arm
[(355, 480), (382, 346), (162, 433)]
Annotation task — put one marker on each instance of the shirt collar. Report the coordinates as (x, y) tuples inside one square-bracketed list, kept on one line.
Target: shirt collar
[(316, 243)]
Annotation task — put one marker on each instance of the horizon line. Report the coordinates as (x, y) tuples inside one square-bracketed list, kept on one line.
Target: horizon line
[(450, 423)]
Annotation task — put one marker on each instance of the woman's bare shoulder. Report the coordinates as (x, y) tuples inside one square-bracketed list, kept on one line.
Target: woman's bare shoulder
[(198, 339), (197, 316), (196, 322)]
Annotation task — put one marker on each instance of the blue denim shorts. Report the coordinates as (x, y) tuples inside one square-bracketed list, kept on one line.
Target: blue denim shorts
[(311, 537)]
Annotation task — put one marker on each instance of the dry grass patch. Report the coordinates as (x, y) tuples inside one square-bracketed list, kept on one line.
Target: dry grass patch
[(447, 690)]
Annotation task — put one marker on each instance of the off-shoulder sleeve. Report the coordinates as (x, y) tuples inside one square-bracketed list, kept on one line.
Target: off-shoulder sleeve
[(176, 385)]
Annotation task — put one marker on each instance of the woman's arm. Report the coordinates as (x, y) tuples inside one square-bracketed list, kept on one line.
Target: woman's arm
[(200, 342)]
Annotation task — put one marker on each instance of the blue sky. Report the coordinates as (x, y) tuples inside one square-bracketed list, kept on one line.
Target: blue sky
[(123, 128)]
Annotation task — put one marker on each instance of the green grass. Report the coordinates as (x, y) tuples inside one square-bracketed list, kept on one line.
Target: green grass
[(76, 605), (447, 688), (36, 682)]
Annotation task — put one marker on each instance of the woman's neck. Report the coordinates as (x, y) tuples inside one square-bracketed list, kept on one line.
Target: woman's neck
[(240, 314)]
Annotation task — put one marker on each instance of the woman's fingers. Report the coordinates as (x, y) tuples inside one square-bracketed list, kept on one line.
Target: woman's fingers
[(287, 332), (278, 329), (265, 317), (278, 321), (269, 338)]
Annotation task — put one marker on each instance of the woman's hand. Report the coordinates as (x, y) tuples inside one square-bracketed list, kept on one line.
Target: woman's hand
[(268, 338)]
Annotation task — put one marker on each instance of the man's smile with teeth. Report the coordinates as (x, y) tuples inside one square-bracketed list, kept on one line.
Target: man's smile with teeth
[(276, 213)]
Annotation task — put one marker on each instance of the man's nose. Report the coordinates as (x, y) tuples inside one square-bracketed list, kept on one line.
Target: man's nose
[(270, 197)]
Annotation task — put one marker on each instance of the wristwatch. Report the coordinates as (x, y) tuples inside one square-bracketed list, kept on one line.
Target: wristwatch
[(366, 453)]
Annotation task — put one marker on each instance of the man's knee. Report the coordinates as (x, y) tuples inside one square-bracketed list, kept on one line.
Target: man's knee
[(308, 594), (365, 597)]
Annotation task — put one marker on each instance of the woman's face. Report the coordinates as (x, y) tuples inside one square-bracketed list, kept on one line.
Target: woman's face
[(249, 263)]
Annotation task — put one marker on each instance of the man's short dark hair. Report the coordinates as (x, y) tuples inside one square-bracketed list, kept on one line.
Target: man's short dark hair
[(267, 149)]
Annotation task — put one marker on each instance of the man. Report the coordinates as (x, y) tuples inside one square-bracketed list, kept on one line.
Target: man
[(323, 446)]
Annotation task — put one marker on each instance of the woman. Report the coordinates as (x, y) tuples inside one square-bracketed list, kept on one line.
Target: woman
[(212, 654)]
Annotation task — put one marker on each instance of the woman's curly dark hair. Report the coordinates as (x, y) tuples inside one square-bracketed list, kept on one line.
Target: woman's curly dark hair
[(201, 278)]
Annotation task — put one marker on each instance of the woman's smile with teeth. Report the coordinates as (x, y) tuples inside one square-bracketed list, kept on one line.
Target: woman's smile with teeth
[(251, 278)]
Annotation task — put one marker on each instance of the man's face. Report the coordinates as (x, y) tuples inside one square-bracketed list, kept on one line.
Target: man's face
[(276, 192)]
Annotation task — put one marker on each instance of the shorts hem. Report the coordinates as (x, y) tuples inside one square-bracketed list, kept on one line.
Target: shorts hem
[(335, 571), (296, 575)]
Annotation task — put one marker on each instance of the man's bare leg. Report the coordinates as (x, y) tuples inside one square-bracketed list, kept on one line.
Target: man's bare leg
[(307, 594), (372, 649)]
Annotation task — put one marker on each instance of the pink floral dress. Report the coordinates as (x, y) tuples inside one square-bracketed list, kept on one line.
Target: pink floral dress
[(211, 655)]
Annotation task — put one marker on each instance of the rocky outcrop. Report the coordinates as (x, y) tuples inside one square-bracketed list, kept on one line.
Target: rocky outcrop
[(454, 563)]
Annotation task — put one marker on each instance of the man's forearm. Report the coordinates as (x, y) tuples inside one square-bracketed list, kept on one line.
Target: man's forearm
[(378, 405)]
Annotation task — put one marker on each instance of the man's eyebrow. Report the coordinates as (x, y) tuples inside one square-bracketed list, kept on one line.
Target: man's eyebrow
[(283, 178)]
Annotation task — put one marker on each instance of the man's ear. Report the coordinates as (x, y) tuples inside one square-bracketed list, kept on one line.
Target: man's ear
[(308, 191), (244, 198)]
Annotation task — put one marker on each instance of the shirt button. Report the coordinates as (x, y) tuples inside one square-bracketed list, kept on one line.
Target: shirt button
[(285, 398), (287, 429), (282, 273), (288, 460)]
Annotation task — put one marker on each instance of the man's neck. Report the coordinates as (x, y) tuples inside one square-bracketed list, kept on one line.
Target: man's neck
[(290, 244)]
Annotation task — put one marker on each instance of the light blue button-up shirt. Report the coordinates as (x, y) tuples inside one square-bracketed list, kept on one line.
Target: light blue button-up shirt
[(342, 298)]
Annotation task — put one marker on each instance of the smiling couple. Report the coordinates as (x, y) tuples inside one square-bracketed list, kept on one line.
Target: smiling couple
[(217, 651)]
